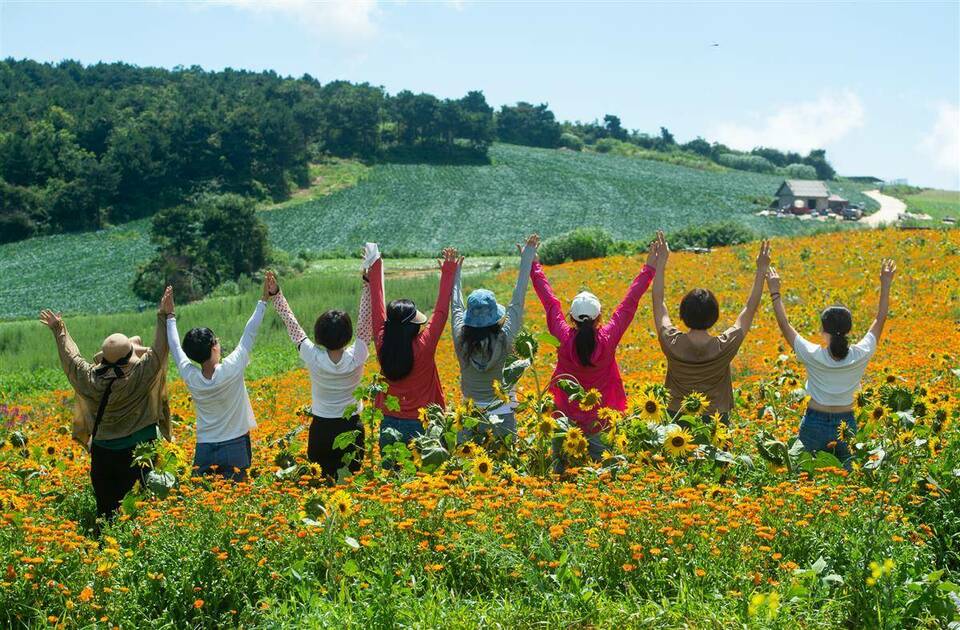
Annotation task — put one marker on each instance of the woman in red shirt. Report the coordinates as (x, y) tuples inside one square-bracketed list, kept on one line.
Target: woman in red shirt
[(588, 351), (406, 342)]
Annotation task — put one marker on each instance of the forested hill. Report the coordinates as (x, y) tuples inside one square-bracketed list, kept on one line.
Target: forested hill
[(83, 147)]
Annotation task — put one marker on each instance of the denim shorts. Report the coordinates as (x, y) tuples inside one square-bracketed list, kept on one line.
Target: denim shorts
[(818, 430), (407, 428), (231, 458)]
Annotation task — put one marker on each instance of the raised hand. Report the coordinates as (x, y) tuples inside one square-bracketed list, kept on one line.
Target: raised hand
[(270, 286), (451, 255), (653, 252), (53, 321), (664, 252), (532, 241), (763, 257), (166, 302), (888, 268), (773, 281)]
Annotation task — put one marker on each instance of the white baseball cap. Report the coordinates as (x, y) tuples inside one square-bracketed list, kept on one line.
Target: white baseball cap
[(585, 305)]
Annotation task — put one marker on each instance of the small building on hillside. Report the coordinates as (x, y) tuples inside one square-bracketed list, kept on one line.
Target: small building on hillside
[(812, 195)]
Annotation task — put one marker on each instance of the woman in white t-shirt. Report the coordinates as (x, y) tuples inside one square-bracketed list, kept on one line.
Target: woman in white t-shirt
[(833, 372), (336, 368)]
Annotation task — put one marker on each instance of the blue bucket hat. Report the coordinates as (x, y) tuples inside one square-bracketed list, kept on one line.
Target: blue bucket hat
[(482, 309)]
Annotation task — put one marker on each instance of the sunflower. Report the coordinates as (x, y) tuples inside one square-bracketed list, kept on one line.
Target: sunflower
[(575, 444), (720, 437), (468, 449), (498, 392), (591, 399), (879, 413), (483, 466), (678, 442), (341, 504), (650, 408), (695, 404), (545, 427)]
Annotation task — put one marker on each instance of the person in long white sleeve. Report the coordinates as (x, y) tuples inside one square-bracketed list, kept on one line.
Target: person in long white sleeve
[(224, 414), (336, 368)]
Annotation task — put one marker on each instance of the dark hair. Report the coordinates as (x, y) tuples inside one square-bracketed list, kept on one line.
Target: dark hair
[(333, 329), (699, 309), (836, 321), (586, 340), (396, 351), (198, 344), (474, 336)]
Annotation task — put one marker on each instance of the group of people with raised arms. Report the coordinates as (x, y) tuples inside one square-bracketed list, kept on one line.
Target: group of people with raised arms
[(121, 396)]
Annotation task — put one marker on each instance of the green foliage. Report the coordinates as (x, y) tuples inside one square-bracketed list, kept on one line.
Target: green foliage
[(578, 244), (753, 163), (218, 239), (799, 171), (939, 204), (571, 141), (529, 125), (712, 235)]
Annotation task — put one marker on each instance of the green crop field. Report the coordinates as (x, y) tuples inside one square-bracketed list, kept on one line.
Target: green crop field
[(939, 204), (418, 208)]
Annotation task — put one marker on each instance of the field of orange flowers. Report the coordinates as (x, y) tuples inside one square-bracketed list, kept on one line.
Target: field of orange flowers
[(734, 528)]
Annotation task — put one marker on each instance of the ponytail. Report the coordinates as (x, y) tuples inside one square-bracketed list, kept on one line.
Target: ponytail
[(836, 321), (586, 340)]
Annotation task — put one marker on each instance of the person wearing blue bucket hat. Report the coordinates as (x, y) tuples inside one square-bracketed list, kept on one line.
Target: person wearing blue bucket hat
[(483, 335)]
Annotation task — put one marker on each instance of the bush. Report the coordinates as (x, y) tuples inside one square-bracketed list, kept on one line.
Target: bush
[(606, 145), (15, 226), (571, 141), (741, 162), (711, 235), (800, 171), (579, 244)]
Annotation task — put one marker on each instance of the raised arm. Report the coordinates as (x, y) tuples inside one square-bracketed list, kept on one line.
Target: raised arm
[(364, 323), (294, 330), (888, 269), (438, 319), (378, 308), (745, 320), (625, 311), (661, 319), (514, 318), (173, 340), (556, 323), (456, 304), (773, 284), (74, 366)]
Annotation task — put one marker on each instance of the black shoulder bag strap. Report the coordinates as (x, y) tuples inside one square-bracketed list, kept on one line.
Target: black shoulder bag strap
[(101, 408)]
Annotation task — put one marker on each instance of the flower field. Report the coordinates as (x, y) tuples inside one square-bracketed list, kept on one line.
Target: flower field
[(697, 527)]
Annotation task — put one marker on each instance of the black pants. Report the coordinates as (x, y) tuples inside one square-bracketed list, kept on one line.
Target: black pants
[(323, 433), (113, 475)]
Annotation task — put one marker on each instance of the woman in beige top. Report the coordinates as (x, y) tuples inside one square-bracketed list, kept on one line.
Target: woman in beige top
[(698, 361)]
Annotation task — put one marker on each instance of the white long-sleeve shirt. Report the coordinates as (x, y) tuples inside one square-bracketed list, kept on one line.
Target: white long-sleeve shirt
[(332, 383), (221, 401)]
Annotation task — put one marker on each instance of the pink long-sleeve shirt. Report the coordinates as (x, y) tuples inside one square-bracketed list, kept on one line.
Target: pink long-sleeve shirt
[(604, 374)]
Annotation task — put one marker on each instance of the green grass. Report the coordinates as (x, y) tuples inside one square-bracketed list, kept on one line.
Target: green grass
[(939, 204), (28, 356), (417, 209)]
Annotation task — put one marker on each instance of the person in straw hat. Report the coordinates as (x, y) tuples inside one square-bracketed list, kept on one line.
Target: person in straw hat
[(121, 402)]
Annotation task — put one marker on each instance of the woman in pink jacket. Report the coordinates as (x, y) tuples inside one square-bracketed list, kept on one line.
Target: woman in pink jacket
[(588, 350)]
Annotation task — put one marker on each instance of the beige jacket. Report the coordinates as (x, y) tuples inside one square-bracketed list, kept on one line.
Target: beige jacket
[(137, 399)]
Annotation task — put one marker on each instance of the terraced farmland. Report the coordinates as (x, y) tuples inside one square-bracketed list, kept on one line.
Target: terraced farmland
[(418, 209)]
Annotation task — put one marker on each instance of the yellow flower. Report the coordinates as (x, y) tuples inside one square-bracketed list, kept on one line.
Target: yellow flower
[(499, 393), (483, 466), (695, 404), (650, 408), (341, 504), (546, 427), (574, 444), (678, 442), (720, 434), (591, 399)]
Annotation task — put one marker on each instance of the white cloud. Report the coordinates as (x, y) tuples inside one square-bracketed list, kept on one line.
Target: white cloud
[(942, 142), (797, 126), (343, 19)]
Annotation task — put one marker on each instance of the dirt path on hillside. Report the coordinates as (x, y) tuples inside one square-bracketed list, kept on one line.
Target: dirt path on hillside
[(890, 209)]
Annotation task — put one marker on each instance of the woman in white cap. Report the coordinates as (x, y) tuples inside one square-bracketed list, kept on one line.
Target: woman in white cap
[(483, 339), (121, 402), (588, 350)]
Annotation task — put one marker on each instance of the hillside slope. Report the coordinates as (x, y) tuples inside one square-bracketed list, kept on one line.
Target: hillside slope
[(417, 208)]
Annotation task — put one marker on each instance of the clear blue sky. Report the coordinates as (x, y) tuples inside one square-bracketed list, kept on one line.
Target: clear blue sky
[(878, 86)]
